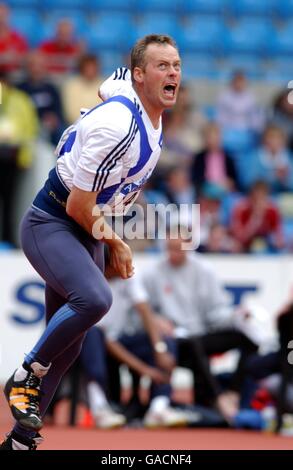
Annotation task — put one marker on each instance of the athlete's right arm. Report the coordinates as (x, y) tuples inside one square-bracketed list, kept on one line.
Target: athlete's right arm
[(80, 206)]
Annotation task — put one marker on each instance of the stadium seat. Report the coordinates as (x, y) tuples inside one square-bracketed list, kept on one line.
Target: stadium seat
[(229, 202), (28, 23), (198, 66), (284, 8), (166, 6), (238, 141), (254, 8), (78, 19), (111, 31), (279, 70), (104, 5), (251, 35), (109, 61), (159, 23), (202, 34), (202, 6), (23, 3), (252, 65), (283, 44), (69, 4)]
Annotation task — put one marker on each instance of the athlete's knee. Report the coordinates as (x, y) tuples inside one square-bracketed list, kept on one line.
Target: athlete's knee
[(98, 302), (92, 301)]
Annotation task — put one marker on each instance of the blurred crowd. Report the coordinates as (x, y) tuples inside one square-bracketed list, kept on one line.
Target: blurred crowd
[(234, 160)]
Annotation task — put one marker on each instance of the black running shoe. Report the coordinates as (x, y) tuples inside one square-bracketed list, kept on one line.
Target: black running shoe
[(15, 441), (24, 399)]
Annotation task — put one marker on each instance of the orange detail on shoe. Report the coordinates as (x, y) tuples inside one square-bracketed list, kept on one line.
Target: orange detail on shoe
[(31, 391), (21, 399), (21, 407), (24, 391)]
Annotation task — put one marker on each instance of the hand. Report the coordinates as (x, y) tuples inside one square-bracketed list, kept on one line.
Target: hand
[(121, 259), (165, 361), (164, 326), (156, 375)]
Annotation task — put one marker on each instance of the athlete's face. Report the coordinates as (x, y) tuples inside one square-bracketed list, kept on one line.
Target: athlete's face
[(160, 77)]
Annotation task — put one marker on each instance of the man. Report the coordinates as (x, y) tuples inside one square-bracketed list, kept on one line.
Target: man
[(18, 132), (132, 338), (111, 146), (191, 302), (45, 96)]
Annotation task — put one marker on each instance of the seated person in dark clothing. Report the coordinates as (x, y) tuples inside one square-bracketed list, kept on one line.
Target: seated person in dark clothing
[(214, 165), (45, 97)]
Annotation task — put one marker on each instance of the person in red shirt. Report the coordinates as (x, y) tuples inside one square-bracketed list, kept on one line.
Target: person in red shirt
[(257, 219), (13, 46), (63, 51)]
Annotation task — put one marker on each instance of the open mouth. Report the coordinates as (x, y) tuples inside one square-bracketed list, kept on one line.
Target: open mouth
[(169, 90)]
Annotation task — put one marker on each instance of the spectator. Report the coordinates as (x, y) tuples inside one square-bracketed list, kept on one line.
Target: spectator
[(13, 46), (256, 220), (210, 204), (133, 339), (237, 107), (282, 114), (81, 91), (63, 51), (272, 162), (18, 129), (214, 165), (178, 186), (189, 298), (45, 96), (182, 131), (93, 360), (219, 241)]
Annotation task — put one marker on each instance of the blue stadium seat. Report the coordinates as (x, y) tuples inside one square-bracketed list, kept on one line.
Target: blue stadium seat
[(254, 7), (203, 34), (229, 202), (77, 17), (23, 3), (70, 4), (279, 70), (111, 31), (287, 227), (283, 43), (202, 6), (28, 23), (238, 142), (159, 23), (167, 6), (251, 35), (252, 65), (103, 5), (284, 8), (198, 66), (109, 61)]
